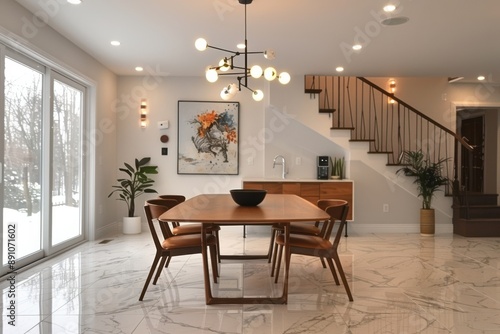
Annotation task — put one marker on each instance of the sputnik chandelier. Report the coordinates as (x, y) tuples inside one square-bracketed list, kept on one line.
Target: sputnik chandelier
[(227, 66)]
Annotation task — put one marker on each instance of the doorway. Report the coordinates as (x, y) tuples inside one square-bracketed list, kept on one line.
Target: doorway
[(478, 170), (472, 163)]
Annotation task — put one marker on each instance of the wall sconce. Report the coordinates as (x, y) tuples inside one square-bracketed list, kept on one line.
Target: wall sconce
[(144, 109), (392, 90)]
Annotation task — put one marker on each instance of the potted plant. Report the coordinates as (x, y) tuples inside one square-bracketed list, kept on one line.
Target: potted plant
[(128, 189), (428, 179), (338, 168)]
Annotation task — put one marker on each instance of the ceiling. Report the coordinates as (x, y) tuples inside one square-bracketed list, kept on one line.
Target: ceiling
[(453, 38)]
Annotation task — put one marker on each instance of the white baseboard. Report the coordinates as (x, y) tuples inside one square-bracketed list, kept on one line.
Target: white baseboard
[(360, 229)]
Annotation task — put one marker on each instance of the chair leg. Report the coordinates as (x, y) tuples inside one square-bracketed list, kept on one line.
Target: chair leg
[(215, 263), (160, 268), (277, 272), (168, 261), (218, 245), (342, 276), (332, 269), (148, 279), (275, 253), (322, 262), (271, 246)]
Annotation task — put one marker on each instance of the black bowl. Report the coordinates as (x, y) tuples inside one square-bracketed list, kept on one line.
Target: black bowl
[(248, 197)]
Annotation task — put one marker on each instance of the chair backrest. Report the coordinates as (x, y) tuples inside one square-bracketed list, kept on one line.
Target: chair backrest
[(337, 212), (178, 198), (323, 204), (153, 209)]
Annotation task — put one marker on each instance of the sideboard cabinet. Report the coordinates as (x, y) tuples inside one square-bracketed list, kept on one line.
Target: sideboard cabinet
[(310, 190)]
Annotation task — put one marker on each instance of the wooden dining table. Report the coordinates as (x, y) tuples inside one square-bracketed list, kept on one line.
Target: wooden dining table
[(220, 209)]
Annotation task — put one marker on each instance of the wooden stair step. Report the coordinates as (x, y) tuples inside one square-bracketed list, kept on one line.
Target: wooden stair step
[(477, 227), (312, 91), (477, 211), (341, 128), (478, 198)]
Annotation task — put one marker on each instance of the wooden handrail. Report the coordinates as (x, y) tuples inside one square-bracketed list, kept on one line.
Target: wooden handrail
[(427, 118)]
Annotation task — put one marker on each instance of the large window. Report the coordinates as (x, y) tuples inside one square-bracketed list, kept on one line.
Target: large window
[(42, 162)]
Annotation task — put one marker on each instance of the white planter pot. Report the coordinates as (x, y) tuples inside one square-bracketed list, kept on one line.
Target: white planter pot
[(131, 225)]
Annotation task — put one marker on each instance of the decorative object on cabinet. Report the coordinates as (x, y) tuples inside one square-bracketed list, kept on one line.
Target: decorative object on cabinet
[(208, 137), (338, 168), (428, 179)]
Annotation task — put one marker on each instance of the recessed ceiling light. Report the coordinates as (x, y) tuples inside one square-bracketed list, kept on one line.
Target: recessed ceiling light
[(356, 47), (115, 43), (481, 78), (74, 2), (395, 21), (241, 46), (339, 69), (139, 69), (389, 8)]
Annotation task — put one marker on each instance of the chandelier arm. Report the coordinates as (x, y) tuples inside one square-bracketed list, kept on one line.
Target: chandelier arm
[(236, 53), (239, 73)]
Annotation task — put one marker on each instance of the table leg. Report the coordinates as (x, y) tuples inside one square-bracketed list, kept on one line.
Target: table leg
[(206, 272), (211, 300), (287, 262)]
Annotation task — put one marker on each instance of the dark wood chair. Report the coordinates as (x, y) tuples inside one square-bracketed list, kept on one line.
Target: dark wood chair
[(296, 228), (191, 228), (320, 246), (172, 245)]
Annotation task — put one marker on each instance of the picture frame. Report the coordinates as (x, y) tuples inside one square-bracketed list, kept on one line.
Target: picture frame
[(208, 137)]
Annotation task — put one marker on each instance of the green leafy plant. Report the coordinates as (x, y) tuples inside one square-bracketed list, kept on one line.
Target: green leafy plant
[(428, 177), (137, 183), (338, 167)]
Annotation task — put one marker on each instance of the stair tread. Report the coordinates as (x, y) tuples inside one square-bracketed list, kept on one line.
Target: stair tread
[(341, 128), (480, 219), (313, 91)]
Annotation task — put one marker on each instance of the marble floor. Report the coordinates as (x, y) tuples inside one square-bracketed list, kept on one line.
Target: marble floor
[(401, 283)]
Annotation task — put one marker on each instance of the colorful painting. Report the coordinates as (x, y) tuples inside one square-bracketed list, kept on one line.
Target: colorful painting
[(208, 137)]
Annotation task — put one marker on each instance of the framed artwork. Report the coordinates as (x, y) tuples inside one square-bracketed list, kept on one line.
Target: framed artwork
[(208, 135)]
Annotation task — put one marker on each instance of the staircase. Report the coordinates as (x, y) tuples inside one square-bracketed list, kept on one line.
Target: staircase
[(391, 126), (476, 215)]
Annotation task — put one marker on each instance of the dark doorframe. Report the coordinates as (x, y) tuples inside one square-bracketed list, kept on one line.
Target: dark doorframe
[(472, 163)]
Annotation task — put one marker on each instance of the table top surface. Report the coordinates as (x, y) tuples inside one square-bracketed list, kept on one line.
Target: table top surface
[(220, 208)]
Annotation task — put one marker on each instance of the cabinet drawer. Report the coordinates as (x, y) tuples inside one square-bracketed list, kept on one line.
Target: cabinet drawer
[(291, 188), (309, 189), (271, 187)]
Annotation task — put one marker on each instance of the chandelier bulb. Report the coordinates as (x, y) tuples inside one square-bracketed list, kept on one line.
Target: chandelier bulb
[(201, 44), (256, 71), (269, 54), (212, 75), (224, 64), (270, 73), (284, 78), (257, 95)]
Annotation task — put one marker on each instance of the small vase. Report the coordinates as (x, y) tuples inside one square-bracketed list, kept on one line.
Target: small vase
[(131, 225)]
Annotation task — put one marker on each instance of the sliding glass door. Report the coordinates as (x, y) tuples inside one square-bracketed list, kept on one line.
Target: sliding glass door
[(66, 160), (22, 174), (41, 181)]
